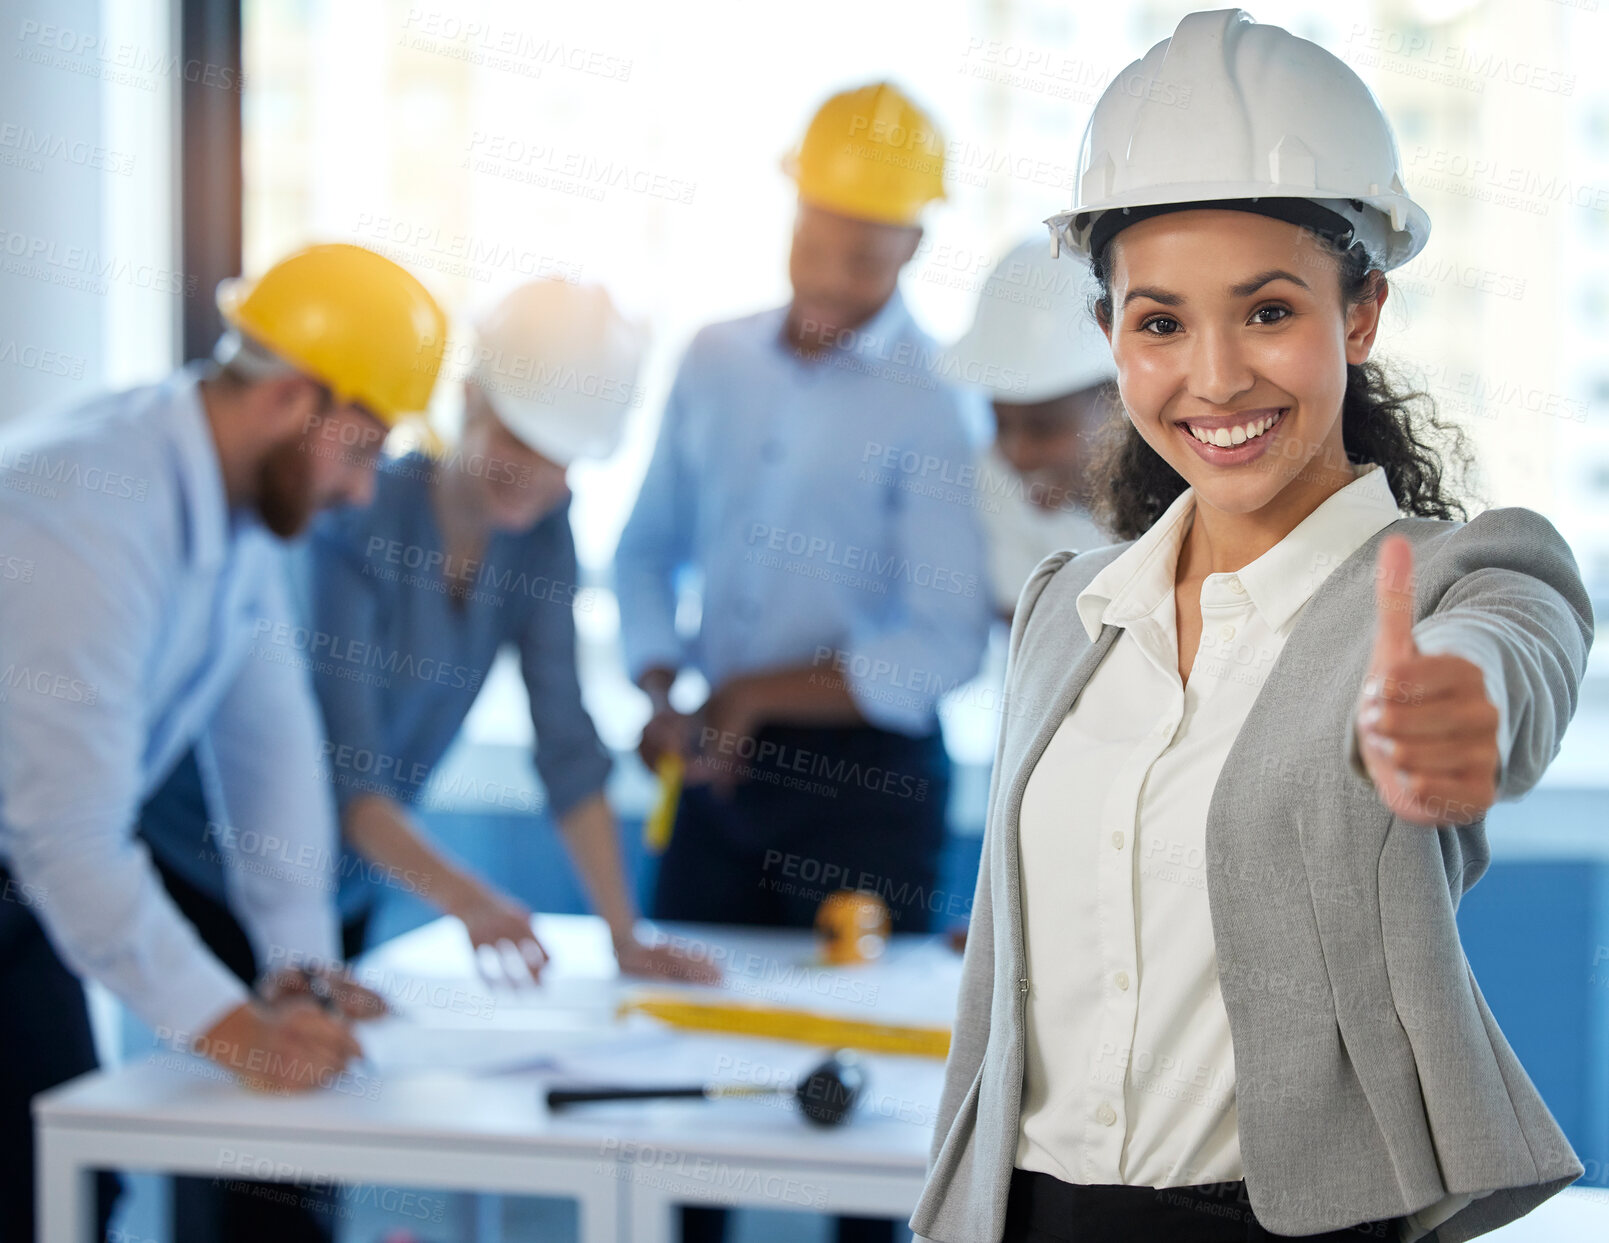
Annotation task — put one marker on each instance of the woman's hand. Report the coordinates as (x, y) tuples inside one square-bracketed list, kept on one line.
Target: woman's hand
[(499, 928), (1426, 731)]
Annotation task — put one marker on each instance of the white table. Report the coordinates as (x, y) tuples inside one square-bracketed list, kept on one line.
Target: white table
[(447, 1106), (440, 1119)]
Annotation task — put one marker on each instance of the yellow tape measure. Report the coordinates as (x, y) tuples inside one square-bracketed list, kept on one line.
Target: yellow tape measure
[(783, 1023)]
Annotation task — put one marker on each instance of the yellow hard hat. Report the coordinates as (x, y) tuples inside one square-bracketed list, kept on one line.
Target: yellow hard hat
[(870, 153), (349, 318)]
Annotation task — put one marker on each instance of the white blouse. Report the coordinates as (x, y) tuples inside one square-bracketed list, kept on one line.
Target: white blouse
[(1130, 1074)]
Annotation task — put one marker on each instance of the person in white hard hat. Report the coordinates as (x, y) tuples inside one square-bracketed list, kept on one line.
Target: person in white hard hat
[(1046, 368), (412, 598), (1214, 988), (554, 378)]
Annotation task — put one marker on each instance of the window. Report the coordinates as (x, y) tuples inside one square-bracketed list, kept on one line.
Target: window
[(637, 144)]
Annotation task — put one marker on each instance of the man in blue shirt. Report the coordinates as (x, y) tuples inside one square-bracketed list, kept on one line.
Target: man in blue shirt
[(813, 472), (149, 522)]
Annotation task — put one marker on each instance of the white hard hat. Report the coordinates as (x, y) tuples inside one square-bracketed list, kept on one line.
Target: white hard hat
[(1232, 110), (558, 364), (1033, 337)]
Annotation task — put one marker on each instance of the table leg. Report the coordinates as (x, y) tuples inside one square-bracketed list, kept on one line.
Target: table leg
[(488, 1218), (64, 1191), (479, 1216), (647, 1214)]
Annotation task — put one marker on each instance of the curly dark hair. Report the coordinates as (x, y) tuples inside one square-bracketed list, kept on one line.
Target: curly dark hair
[(1383, 420)]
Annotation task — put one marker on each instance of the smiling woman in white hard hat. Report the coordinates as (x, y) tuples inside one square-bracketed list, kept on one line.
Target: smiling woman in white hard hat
[(1214, 988)]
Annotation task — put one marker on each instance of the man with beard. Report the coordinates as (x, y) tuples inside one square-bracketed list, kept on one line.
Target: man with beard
[(153, 617)]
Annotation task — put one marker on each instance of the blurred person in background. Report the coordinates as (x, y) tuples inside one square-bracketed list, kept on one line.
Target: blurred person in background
[(153, 520), (1046, 367), (554, 379), (452, 560), (408, 600), (815, 476)]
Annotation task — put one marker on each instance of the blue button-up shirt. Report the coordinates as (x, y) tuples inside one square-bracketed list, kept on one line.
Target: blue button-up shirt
[(828, 505), (411, 659), (133, 630)]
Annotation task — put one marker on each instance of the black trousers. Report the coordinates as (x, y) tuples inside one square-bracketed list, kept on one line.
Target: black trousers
[(1043, 1209), (45, 1040), (239, 1210), (817, 809)]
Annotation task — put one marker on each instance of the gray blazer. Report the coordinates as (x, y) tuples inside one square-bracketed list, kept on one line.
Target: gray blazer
[(1371, 1078)]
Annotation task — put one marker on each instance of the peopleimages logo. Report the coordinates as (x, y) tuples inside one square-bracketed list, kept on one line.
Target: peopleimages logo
[(873, 565), (84, 267), (43, 682), (56, 470), (345, 657)]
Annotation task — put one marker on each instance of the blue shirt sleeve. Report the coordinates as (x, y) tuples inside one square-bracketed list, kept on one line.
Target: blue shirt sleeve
[(344, 605), (571, 759), (76, 641), (656, 543)]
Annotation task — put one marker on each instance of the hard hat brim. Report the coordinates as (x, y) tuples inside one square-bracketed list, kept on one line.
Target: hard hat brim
[(1077, 228)]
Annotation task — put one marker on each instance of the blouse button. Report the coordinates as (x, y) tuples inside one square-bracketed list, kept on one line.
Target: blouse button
[(1117, 840), (1122, 980), (1226, 632), (1106, 1115), (1236, 586)]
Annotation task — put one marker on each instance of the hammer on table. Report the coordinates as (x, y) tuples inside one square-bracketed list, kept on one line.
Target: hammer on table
[(826, 1096)]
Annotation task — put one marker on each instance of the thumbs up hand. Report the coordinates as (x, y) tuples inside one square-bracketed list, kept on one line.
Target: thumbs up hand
[(1426, 731)]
